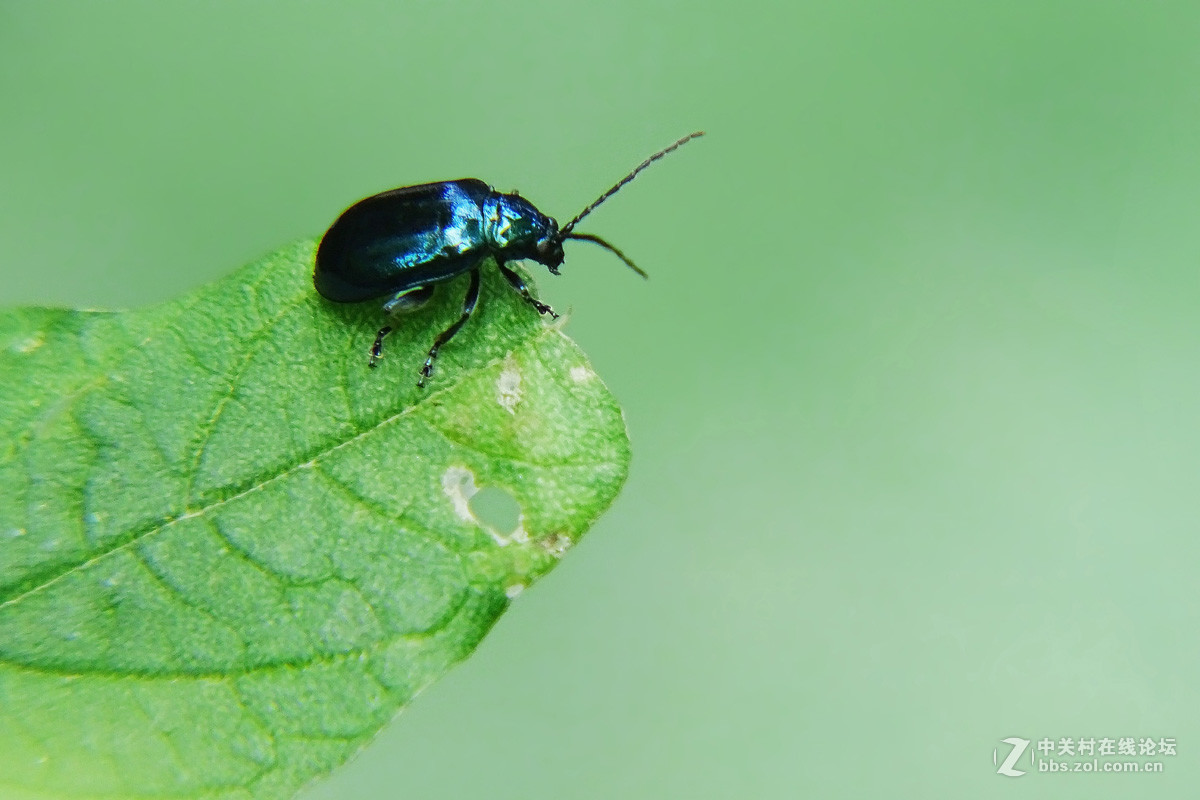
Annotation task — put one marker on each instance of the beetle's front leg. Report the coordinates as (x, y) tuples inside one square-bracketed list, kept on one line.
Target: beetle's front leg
[(401, 302), (468, 306), (518, 284)]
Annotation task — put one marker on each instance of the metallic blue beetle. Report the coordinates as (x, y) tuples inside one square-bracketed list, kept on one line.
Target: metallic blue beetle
[(403, 242)]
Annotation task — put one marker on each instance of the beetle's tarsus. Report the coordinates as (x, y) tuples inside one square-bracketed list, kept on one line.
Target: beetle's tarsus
[(517, 283), (377, 347), (427, 370)]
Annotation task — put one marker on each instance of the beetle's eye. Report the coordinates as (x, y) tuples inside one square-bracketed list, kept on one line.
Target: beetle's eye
[(542, 246)]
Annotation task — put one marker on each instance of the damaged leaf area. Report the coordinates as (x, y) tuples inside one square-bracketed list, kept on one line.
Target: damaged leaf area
[(230, 552)]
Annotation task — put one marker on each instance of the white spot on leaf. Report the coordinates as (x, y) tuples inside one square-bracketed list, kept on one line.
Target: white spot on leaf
[(508, 386), (514, 590), (581, 374), (459, 485)]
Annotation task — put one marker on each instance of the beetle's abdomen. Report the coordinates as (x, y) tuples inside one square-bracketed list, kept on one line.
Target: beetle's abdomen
[(402, 239)]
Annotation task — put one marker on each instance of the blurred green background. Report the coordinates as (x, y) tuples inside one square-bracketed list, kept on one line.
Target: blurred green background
[(912, 388)]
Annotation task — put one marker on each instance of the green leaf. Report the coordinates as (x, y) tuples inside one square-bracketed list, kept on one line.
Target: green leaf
[(230, 553)]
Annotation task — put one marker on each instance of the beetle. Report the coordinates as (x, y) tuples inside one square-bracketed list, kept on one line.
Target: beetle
[(399, 244)]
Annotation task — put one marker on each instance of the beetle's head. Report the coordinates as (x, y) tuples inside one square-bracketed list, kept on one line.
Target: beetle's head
[(549, 250)]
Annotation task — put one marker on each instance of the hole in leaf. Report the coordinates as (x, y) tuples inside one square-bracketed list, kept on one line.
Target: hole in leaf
[(497, 509)]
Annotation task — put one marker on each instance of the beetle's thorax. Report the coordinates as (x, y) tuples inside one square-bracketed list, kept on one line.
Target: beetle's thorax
[(514, 228)]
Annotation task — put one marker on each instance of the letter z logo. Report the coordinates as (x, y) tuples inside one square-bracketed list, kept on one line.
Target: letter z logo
[(1018, 750)]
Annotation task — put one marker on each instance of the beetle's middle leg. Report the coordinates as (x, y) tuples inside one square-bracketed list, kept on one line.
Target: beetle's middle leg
[(401, 302), (523, 290), (446, 335)]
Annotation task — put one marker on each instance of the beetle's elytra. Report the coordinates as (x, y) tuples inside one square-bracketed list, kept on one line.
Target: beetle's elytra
[(401, 243)]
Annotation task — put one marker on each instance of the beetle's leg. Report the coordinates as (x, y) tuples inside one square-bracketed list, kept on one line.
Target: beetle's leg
[(468, 306), (377, 348), (404, 301), (523, 290)]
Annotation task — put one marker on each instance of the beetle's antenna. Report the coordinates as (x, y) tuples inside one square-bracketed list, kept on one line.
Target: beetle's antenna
[(564, 232), (589, 237)]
